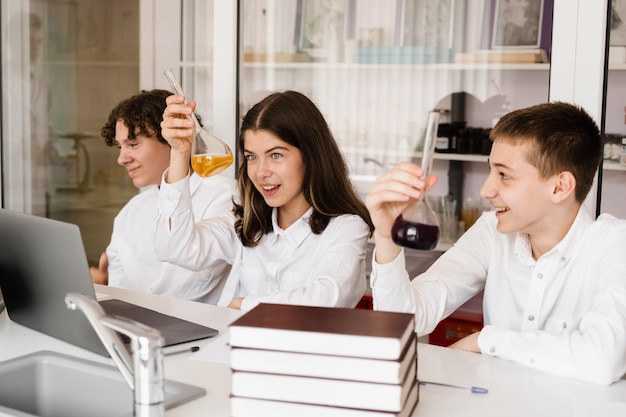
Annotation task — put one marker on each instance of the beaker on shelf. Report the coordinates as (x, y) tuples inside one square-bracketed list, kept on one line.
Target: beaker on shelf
[(445, 207), (473, 208)]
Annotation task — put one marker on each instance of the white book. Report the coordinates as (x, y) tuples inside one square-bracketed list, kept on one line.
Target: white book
[(254, 407), (324, 330), (321, 391), (325, 366)]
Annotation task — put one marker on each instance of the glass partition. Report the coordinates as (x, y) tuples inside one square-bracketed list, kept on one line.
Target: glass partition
[(65, 65), (197, 56), (374, 67), (377, 67), (614, 164)]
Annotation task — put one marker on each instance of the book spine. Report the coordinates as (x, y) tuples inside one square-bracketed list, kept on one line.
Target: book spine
[(318, 343), (325, 366)]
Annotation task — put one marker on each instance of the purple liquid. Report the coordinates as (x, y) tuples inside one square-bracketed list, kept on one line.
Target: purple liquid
[(414, 235)]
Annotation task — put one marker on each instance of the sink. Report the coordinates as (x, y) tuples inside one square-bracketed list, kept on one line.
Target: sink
[(50, 384)]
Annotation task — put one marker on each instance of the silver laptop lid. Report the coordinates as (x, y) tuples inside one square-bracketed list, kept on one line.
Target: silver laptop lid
[(41, 260)]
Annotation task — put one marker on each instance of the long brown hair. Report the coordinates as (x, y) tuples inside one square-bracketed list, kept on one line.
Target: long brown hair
[(295, 119)]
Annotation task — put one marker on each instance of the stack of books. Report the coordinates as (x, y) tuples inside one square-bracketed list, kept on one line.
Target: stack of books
[(315, 361)]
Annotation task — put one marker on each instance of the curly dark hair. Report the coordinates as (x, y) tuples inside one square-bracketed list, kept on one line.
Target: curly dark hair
[(143, 111)]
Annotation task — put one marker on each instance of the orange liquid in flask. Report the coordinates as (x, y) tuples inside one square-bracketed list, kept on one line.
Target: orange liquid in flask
[(206, 165)]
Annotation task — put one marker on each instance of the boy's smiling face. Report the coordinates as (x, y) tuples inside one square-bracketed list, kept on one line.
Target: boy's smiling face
[(145, 158), (514, 188)]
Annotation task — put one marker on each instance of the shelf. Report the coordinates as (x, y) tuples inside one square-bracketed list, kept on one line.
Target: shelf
[(94, 63), (352, 66), (460, 157), (606, 165), (367, 152), (613, 166), (433, 66)]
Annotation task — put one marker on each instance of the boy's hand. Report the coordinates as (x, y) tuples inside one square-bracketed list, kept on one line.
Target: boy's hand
[(100, 275), (468, 343), (391, 193)]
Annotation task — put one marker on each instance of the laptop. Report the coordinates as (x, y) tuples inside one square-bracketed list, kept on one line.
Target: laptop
[(41, 260)]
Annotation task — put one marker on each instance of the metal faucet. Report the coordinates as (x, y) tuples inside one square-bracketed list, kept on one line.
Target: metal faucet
[(145, 375)]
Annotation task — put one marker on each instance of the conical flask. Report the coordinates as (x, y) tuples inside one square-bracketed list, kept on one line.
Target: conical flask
[(209, 155), (417, 226)]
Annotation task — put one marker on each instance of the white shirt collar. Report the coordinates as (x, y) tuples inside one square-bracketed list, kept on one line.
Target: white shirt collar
[(296, 233), (564, 248)]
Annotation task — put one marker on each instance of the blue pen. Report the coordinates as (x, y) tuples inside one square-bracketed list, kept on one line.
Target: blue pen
[(474, 390)]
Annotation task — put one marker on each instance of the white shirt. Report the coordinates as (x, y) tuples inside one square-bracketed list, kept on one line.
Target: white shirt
[(564, 313), (291, 266), (133, 263)]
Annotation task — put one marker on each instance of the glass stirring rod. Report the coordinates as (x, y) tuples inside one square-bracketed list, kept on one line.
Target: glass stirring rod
[(169, 73)]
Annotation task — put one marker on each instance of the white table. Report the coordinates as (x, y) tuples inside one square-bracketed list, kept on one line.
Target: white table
[(513, 389)]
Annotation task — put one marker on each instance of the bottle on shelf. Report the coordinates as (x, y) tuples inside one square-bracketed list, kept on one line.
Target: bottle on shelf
[(443, 144)]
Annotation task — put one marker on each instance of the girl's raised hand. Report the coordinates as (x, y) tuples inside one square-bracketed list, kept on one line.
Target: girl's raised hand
[(176, 127)]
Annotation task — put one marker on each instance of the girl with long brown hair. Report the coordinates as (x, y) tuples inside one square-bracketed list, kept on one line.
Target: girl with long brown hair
[(299, 233)]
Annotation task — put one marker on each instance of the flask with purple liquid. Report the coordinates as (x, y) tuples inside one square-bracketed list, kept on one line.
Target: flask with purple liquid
[(417, 226)]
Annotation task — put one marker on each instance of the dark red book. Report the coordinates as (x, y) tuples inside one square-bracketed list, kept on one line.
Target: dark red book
[(325, 331)]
